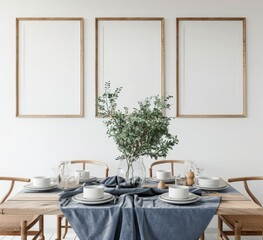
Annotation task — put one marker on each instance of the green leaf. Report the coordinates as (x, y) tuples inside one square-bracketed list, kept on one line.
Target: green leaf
[(141, 132)]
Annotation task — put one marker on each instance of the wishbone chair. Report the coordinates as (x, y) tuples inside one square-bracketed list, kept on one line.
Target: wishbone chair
[(171, 162), (19, 225), (249, 225), (83, 163)]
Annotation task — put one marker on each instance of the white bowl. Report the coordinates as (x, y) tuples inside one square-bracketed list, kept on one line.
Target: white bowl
[(82, 174), (209, 181), (41, 181), (163, 174), (93, 192), (178, 192)]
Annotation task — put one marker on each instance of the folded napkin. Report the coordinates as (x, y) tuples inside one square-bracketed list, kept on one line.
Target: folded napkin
[(112, 181), (117, 181)]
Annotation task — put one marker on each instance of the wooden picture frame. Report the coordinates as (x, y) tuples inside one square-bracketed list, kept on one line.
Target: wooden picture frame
[(49, 67), (211, 67), (130, 54)]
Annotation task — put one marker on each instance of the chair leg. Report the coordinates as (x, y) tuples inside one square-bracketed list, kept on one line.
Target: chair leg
[(41, 228), (23, 230), (59, 220), (220, 228), (66, 228), (202, 237), (237, 231)]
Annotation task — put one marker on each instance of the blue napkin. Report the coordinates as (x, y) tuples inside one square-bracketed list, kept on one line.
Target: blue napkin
[(112, 181), (117, 181)]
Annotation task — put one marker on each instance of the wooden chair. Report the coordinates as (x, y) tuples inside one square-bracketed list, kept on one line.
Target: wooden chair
[(172, 162), (19, 225), (83, 163), (241, 225)]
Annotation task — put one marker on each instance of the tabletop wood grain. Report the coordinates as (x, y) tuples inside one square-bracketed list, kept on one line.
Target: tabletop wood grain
[(47, 204)]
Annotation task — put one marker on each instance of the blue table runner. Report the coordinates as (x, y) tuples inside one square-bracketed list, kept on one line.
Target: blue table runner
[(139, 215)]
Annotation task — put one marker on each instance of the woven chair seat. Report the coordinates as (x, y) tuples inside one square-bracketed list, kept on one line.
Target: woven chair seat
[(250, 223), (12, 222)]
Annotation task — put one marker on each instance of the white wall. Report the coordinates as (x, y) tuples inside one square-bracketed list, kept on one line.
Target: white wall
[(224, 147)]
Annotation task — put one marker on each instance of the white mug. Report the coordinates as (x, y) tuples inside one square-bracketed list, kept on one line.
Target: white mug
[(179, 192), (93, 192), (209, 182), (41, 181), (82, 174), (163, 174)]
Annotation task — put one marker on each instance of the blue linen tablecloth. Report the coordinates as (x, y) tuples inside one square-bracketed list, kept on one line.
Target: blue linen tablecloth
[(139, 215)]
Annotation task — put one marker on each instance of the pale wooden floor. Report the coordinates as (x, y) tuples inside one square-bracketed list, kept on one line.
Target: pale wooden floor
[(48, 236), (72, 236), (209, 235)]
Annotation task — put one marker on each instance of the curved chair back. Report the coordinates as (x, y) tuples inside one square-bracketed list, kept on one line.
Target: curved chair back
[(12, 181), (171, 162), (245, 180), (95, 162)]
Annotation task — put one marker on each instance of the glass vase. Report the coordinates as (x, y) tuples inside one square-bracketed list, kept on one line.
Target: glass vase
[(133, 172)]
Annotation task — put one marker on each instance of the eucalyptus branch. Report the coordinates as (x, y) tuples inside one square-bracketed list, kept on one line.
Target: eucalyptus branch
[(142, 132)]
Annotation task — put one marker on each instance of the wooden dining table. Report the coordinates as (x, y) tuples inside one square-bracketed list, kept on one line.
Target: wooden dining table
[(47, 203)]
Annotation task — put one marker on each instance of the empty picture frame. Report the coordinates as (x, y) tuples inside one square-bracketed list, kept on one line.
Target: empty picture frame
[(49, 67), (211, 67), (130, 54)]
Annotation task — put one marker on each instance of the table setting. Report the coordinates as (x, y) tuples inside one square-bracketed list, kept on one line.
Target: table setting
[(61, 180), (105, 208), (123, 206), (132, 213), (40, 183), (127, 205)]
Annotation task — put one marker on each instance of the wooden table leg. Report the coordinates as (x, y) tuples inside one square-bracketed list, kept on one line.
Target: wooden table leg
[(59, 221), (23, 230), (202, 237), (237, 230)]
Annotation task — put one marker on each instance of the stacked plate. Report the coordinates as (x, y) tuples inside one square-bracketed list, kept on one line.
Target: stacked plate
[(211, 184), (222, 186), (79, 198), (190, 199), (31, 187)]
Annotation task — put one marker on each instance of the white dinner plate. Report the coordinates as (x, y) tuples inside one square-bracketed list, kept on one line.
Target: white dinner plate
[(155, 179), (179, 202), (190, 197), (82, 198), (34, 188), (93, 202), (88, 180), (222, 186)]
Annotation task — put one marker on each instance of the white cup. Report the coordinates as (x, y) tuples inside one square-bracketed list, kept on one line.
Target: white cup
[(93, 192), (82, 174), (179, 192), (41, 181), (209, 182), (163, 174)]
